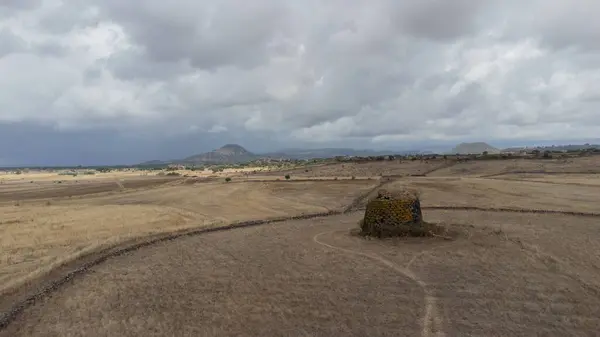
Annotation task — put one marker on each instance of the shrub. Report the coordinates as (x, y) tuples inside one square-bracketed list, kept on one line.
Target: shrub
[(227, 179), (287, 177), (353, 177), (173, 174)]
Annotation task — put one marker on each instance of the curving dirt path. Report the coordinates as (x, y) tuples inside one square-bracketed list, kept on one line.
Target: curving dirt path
[(507, 274), (432, 324)]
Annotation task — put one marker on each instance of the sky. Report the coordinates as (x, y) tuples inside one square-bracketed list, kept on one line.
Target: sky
[(119, 82)]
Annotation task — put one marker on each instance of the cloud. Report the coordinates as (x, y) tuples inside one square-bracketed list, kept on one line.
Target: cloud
[(19, 4), (564, 24), (303, 72), (437, 19), (10, 43), (217, 129)]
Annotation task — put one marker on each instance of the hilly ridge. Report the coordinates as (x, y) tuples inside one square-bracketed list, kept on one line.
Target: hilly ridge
[(229, 153), (234, 153), (474, 148)]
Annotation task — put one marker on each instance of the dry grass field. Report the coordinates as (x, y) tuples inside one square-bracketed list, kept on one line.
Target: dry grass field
[(582, 179), (495, 193), (37, 235), (492, 167), (503, 273), (366, 169)]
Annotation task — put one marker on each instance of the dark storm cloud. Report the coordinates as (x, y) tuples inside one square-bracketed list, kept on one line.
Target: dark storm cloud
[(437, 19), (570, 24), (208, 35), (34, 144)]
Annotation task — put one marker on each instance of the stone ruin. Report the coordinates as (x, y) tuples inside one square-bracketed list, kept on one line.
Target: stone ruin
[(394, 214)]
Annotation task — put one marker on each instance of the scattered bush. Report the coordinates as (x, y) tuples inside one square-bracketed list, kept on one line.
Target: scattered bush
[(227, 179), (173, 174)]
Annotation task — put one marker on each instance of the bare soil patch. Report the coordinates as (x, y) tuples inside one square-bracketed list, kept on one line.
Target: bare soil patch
[(312, 277)]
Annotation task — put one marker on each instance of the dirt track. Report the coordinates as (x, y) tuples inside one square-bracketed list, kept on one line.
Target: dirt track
[(505, 273)]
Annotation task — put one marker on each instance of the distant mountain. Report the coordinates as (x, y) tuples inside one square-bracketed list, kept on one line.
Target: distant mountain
[(474, 148), (233, 153), (228, 154)]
